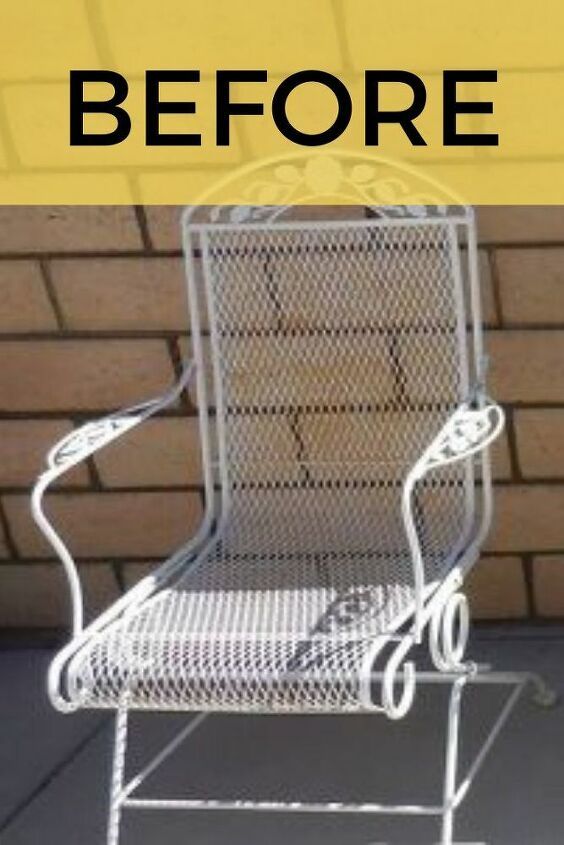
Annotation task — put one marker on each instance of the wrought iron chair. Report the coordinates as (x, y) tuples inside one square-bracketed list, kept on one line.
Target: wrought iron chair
[(347, 488)]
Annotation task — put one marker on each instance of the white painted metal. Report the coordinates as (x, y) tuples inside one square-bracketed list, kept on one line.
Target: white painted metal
[(347, 488), (455, 788), (118, 771), (75, 448)]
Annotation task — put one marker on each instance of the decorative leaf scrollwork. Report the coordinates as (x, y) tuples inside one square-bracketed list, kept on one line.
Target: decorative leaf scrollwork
[(468, 431), (84, 441)]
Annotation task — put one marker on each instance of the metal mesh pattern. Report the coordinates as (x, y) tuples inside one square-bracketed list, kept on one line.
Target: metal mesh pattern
[(338, 352)]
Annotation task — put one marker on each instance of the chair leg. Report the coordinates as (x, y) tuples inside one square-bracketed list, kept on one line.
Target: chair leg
[(451, 760), (118, 770)]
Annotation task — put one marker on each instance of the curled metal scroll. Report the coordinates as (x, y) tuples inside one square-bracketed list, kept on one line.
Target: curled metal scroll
[(399, 672), (448, 634)]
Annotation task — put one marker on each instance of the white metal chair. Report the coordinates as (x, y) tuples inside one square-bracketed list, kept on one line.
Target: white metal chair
[(347, 488)]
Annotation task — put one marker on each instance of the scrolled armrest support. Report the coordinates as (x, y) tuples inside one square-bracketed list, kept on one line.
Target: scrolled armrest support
[(76, 447), (467, 431)]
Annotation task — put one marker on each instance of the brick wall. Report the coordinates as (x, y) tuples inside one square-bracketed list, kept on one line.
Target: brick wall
[(94, 317)]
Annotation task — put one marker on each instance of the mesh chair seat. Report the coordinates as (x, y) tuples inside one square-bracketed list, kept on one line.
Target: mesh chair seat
[(255, 635)]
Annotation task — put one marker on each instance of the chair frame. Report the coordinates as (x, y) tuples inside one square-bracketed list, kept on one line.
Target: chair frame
[(442, 614)]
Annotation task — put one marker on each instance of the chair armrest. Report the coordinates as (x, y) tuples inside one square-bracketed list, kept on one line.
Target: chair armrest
[(76, 447), (467, 431)]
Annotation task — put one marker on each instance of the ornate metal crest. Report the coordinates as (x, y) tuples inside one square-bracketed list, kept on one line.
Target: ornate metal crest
[(388, 188)]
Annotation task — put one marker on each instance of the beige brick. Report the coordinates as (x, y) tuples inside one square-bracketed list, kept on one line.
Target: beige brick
[(109, 524), (489, 312), (381, 444), (100, 585), (164, 226), (134, 572), (532, 284), (526, 366), (269, 447), (25, 304), (520, 223), (368, 439), (268, 373), (430, 370), (122, 293), (67, 228), (160, 452), (4, 551), (23, 448), (527, 518), (496, 589), (93, 374), (35, 595), (549, 585), (330, 288), (501, 460), (540, 442), (165, 232), (300, 371)]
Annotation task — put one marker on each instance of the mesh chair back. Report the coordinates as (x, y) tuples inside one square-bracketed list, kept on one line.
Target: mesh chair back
[(332, 353)]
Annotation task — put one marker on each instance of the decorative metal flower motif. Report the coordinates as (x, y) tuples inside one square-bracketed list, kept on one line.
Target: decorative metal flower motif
[(469, 429), (85, 440), (386, 190)]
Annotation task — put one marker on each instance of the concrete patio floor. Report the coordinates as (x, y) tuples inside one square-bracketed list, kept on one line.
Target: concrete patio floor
[(54, 769)]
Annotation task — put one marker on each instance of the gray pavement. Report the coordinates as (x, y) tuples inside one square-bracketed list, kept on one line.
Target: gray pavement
[(54, 769)]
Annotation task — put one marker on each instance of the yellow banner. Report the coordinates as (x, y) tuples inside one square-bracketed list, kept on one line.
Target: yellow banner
[(181, 101)]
